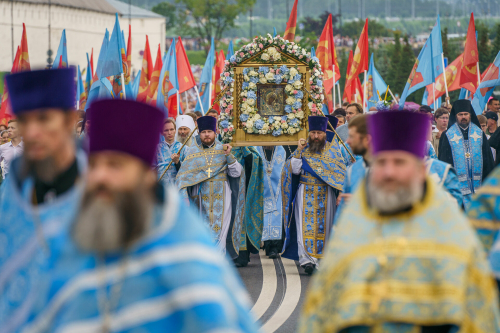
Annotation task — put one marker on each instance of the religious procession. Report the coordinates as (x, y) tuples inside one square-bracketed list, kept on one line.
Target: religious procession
[(272, 203)]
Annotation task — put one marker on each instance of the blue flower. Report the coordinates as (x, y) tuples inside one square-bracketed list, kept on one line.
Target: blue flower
[(243, 117), (271, 120), (319, 83), (264, 70), (245, 71), (278, 79), (291, 80), (277, 132), (251, 94), (259, 124), (233, 58), (224, 124), (284, 118), (254, 79), (297, 77), (299, 94), (245, 85), (294, 121), (228, 79), (297, 105), (315, 59), (284, 69), (288, 108)]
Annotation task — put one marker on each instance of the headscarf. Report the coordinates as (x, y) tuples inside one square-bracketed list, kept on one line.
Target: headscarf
[(463, 105)]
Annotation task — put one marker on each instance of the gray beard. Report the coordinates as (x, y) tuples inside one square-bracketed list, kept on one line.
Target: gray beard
[(44, 170), (316, 147), (108, 227), (388, 203), (182, 139)]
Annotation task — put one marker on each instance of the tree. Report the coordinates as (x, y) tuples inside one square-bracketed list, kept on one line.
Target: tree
[(212, 17), (496, 44), (169, 11), (394, 65), (483, 46), (316, 25), (407, 62), (444, 38), (375, 29)]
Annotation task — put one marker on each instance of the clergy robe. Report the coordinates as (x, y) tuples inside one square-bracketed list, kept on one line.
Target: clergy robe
[(470, 154), (28, 237), (310, 183), (423, 270), (163, 158), (173, 279), (219, 194)]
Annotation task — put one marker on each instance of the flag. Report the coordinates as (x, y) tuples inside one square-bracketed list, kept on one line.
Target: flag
[(5, 109), (360, 60), (216, 78), (98, 74), (489, 80), (135, 85), (275, 33), (114, 58), (428, 65), (452, 73), (129, 56), (169, 85), (206, 80), (24, 58), (80, 91), (184, 73), (353, 92), (88, 79), (468, 77), (376, 85), (291, 25), (62, 53), (328, 59), (313, 52), (147, 70), (155, 78), (230, 50)]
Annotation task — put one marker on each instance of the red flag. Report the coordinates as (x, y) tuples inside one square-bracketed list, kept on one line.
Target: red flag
[(353, 92), (24, 60), (468, 77), (291, 25), (147, 70), (216, 78), (94, 74), (5, 110), (184, 73), (452, 73), (155, 78), (60, 62), (328, 59), (129, 56), (360, 60)]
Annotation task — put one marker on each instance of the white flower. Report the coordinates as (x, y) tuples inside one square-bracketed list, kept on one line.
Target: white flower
[(244, 106), (304, 51), (295, 47), (231, 90), (322, 96), (310, 105), (265, 127), (272, 50), (277, 119), (249, 129), (257, 116), (288, 88), (264, 56), (251, 101), (293, 71), (300, 115), (291, 115), (253, 73), (249, 123), (290, 100), (284, 125), (297, 84), (252, 85), (270, 76), (246, 78), (291, 130), (262, 80), (277, 56)]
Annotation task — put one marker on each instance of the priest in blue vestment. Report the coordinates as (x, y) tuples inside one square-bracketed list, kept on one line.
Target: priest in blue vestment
[(403, 257), (40, 197), (168, 152), (213, 180), (466, 148), (311, 181), (137, 259), (332, 137)]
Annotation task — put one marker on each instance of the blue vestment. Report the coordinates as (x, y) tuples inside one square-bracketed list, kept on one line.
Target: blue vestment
[(28, 236), (163, 158), (422, 267), (173, 279), (273, 209), (431, 152)]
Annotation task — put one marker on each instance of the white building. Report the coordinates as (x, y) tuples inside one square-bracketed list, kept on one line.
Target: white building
[(85, 22)]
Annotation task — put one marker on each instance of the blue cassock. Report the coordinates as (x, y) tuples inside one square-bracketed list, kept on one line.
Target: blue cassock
[(273, 209), (431, 152), (347, 158), (24, 252), (171, 280), (163, 153)]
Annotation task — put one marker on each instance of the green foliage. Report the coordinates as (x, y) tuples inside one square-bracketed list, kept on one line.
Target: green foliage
[(169, 11), (394, 66), (316, 25), (375, 29), (198, 57), (407, 62), (495, 47), (483, 46)]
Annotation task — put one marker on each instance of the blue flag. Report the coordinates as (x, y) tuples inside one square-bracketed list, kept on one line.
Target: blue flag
[(135, 85), (425, 99), (168, 84), (206, 80), (230, 50), (275, 33), (88, 79), (428, 65), (313, 52), (79, 87), (379, 87), (113, 61), (102, 56), (490, 80), (61, 51)]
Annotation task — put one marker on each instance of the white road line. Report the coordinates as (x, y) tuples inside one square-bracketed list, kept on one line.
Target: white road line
[(292, 297), (269, 286)]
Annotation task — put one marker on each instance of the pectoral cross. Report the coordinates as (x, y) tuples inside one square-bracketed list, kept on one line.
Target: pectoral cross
[(209, 171)]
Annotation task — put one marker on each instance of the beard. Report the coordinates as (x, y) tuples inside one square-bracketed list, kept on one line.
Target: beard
[(358, 150), (389, 202), (464, 123), (316, 145), (208, 141), (45, 170), (182, 139), (103, 226)]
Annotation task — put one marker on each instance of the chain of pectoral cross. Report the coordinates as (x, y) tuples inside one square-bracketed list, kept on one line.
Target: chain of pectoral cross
[(209, 170)]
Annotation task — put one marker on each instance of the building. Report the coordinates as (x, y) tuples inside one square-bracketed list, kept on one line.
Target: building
[(85, 22)]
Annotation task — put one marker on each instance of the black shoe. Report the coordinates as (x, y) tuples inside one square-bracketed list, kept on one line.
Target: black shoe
[(309, 268), (273, 254)]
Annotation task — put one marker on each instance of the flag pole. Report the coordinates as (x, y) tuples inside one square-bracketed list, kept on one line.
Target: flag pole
[(445, 80), (186, 99), (178, 103), (390, 92), (333, 90), (340, 96), (209, 96), (478, 74), (364, 92), (434, 94), (199, 99), (123, 87)]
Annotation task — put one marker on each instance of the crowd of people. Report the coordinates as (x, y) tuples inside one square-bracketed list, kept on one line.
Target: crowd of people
[(119, 219)]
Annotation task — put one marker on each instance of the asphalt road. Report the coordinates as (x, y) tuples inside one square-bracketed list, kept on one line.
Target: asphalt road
[(277, 288)]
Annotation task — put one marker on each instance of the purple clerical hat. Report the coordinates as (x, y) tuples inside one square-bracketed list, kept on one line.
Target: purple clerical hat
[(42, 89), (399, 130), (333, 121), (318, 123), (125, 126), (207, 123)]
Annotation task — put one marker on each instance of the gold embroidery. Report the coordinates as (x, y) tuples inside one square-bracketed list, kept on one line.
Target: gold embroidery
[(317, 191), (485, 224)]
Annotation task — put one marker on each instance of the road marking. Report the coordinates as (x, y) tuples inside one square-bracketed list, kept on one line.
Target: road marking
[(291, 299), (269, 286)]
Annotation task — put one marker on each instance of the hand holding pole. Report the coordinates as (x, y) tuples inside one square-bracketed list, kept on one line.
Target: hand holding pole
[(169, 164)]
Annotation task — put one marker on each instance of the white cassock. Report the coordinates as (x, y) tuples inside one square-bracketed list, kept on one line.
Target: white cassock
[(304, 257), (185, 121)]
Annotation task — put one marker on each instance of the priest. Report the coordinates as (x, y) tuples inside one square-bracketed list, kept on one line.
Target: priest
[(466, 148), (185, 125), (311, 181), (213, 180), (403, 258)]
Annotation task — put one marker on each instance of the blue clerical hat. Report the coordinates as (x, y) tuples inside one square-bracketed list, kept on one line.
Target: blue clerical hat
[(318, 123), (42, 89), (207, 123)]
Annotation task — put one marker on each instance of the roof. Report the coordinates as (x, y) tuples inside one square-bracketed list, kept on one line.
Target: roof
[(135, 12), (92, 5)]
